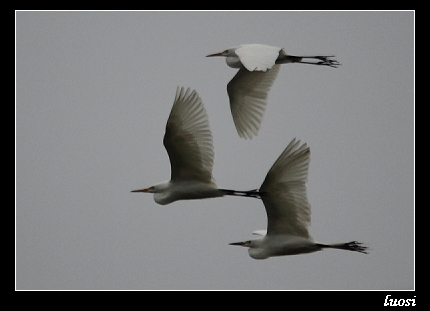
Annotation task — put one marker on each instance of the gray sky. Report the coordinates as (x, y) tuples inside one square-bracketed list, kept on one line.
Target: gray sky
[(93, 94)]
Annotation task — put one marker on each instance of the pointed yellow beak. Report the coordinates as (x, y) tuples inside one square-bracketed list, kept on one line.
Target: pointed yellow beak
[(142, 190), (238, 243), (216, 54)]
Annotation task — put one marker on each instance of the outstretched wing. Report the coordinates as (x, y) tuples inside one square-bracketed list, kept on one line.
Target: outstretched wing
[(287, 207), (248, 92), (188, 139)]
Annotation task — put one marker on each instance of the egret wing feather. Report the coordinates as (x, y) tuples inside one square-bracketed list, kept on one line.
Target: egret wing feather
[(287, 207), (188, 139), (258, 57), (248, 92)]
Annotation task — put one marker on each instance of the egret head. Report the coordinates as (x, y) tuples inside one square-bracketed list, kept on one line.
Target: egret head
[(232, 59), (162, 193), (256, 248)]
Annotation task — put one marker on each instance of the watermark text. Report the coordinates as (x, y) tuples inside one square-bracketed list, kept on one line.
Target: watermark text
[(399, 302)]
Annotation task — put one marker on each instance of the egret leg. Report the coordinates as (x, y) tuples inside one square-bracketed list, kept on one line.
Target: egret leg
[(322, 60), (350, 246), (250, 193)]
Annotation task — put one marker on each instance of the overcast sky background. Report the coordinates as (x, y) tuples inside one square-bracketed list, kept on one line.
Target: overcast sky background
[(93, 94)]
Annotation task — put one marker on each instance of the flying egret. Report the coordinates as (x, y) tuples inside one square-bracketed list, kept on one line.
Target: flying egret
[(283, 193), (248, 90), (188, 141)]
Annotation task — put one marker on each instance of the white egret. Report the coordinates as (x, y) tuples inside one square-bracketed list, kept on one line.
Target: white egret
[(248, 90), (188, 141), (283, 193)]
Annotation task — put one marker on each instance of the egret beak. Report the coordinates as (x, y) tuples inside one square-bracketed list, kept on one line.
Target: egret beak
[(143, 190), (238, 243), (216, 54)]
